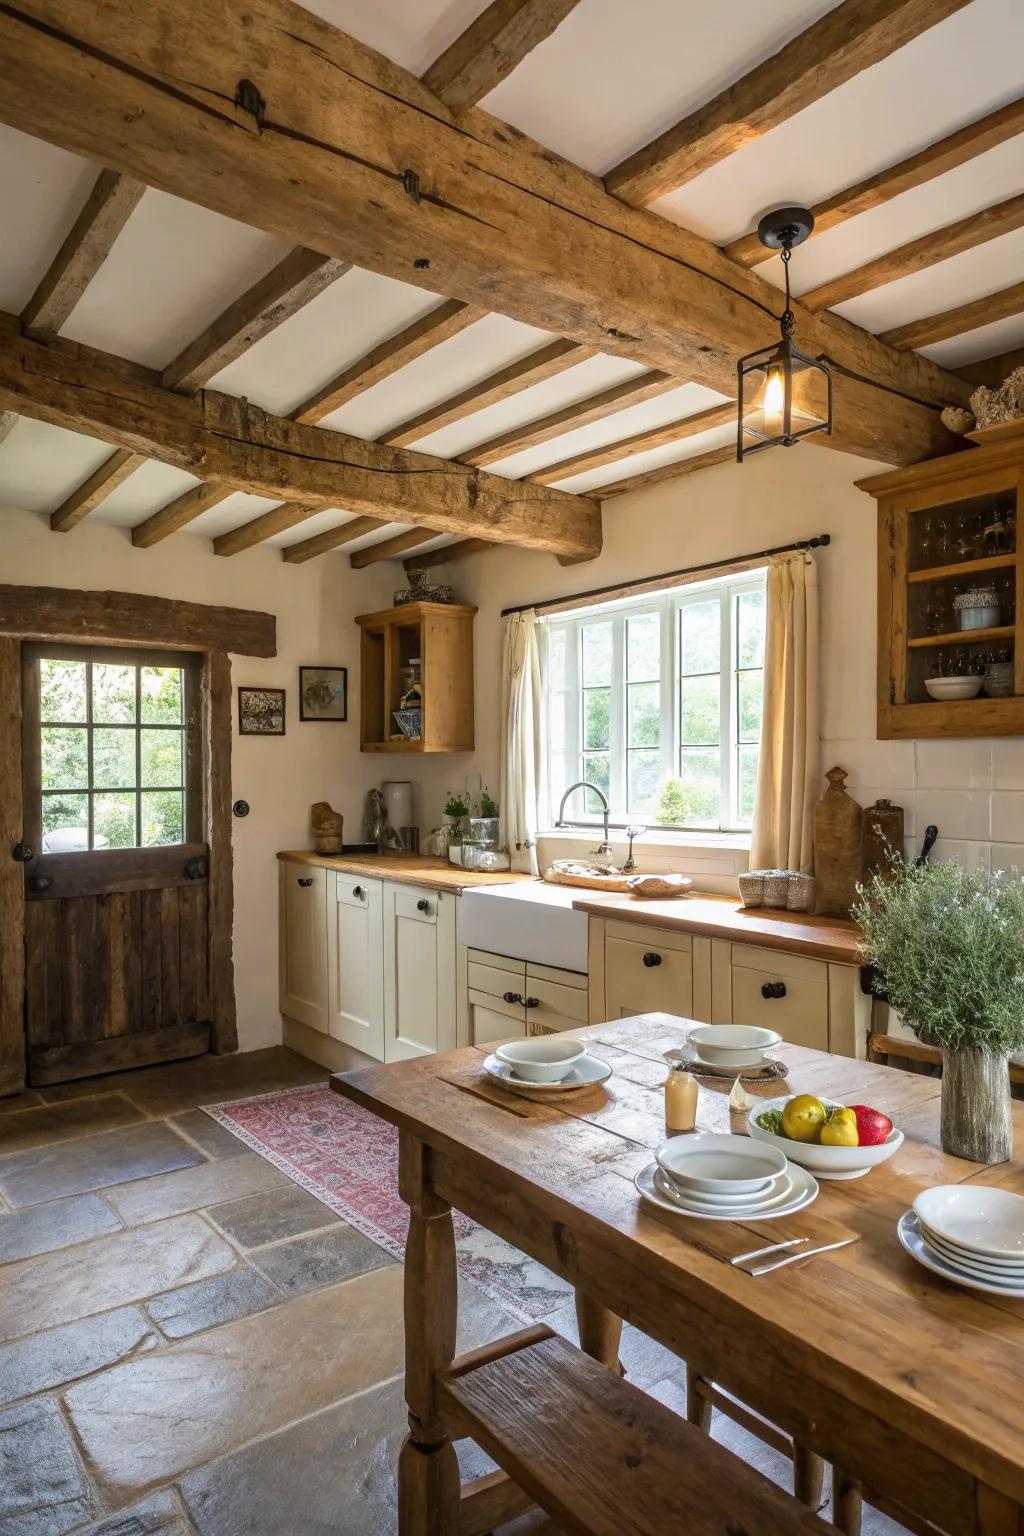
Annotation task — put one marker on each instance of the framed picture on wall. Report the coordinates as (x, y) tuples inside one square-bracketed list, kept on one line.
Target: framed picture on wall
[(323, 693), (261, 711)]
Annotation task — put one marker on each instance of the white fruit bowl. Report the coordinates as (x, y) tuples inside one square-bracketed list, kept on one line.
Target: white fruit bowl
[(953, 687), (823, 1162)]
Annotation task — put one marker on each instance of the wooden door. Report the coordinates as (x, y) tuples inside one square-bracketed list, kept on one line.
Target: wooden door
[(419, 971), (355, 950), (302, 965), (116, 871)]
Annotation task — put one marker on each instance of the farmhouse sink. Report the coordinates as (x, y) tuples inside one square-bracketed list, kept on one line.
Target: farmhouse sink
[(528, 920)]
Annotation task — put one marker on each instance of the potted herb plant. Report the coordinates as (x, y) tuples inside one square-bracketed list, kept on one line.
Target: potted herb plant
[(484, 825), (948, 944), (456, 810)]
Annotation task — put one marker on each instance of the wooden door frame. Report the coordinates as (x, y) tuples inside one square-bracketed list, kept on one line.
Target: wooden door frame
[(58, 614)]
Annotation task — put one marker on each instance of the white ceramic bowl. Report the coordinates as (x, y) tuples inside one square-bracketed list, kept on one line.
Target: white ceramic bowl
[(1000, 1271), (978, 1218), (825, 1162), (544, 1059), (719, 1164), (953, 687), (733, 1045)]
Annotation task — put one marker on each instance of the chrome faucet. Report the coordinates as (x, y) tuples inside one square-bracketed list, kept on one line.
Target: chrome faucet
[(603, 849)]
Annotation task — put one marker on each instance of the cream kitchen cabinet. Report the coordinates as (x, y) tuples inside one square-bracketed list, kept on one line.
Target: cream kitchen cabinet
[(521, 997), (419, 971), (302, 961), (646, 970), (355, 948)]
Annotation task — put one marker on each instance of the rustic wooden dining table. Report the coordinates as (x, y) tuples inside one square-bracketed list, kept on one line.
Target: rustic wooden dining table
[(911, 1385)]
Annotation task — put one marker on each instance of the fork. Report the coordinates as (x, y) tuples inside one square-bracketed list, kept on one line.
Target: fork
[(759, 1253), (805, 1253)]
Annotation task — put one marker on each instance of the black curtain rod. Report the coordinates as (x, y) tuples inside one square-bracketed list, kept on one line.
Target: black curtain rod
[(819, 541)]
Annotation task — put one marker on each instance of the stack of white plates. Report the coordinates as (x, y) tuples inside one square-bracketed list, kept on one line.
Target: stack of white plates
[(972, 1234), (725, 1178)]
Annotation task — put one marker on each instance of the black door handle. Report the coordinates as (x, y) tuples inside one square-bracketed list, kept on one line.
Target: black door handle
[(22, 853), (307, 881), (531, 1002), (195, 869), (39, 883), (423, 905), (773, 989), (651, 959), (511, 997), (357, 892)]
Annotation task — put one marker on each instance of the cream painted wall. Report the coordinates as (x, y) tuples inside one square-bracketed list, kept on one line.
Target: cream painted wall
[(279, 776)]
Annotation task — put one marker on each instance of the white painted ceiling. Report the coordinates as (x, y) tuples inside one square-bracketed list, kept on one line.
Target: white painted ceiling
[(612, 76)]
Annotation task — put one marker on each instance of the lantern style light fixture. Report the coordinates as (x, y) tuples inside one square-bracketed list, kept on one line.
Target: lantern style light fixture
[(783, 395)]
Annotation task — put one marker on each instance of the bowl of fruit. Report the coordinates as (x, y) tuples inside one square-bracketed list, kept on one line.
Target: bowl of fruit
[(834, 1141)]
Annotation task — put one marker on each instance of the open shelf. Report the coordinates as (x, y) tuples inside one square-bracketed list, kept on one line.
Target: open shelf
[(965, 636), (963, 568)]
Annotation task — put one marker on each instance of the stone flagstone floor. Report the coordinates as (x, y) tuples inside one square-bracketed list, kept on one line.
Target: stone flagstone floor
[(192, 1345)]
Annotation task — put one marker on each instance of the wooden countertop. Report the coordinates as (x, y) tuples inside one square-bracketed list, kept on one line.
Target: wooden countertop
[(720, 917), (433, 873)]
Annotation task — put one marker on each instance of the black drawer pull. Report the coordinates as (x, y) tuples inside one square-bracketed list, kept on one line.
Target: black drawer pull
[(357, 892), (308, 880), (773, 989), (531, 1002), (512, 997), (423, 905), (651, 959)]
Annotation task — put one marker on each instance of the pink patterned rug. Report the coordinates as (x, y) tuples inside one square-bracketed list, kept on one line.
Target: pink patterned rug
[(348, 1158)]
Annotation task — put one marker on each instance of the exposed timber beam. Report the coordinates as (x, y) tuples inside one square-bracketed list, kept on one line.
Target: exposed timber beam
[(442, 323), (121, 463), (235, 443), (543, 364), (86, 248), (944, 155), (500, 222), (278, 520), (278, 295), (852, 36), (457, 551), (957, 322), (391, 549), (918, 254), (991, 371), (639, 442), (177, 514), (491, 47), (645, 386), (667, 472), (333, 538)]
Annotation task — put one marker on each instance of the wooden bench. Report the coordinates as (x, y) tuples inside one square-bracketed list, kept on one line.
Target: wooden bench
[(881, 1047), (601, 1457)]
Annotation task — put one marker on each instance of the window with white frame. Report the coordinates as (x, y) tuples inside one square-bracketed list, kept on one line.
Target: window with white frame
[(657, 701)]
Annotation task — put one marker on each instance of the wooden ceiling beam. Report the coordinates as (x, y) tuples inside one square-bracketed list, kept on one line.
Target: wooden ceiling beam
[(99, 485), (668, 472), (86, 248), (944, 155), (333, 538), (645, 386), (457, 551), (992, 370), (957, 322), (278, 520), (639, 442), (500, 222), (441, 324), (177, 514), (235, 443), (847, 39), (491, 47), (916, 255), (274, 298), (391, 549), (545, 363)]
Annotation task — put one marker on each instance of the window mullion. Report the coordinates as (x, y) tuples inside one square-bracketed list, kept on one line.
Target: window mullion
[(668, 691), (726, 734), (617, 774)]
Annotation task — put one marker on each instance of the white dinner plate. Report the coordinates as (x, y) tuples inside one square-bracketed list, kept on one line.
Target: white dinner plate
[(909, 1234), (587, 1073), (779, 1190), (973, 1263), (726, 1201), (805, 1189), (983, 1219)]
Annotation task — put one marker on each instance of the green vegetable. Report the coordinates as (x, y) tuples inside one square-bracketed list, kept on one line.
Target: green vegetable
[(771, 1120)]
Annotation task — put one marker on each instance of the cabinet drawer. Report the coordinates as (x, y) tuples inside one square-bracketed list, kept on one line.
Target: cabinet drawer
[(576, 979), (490, 983), (755, 958), (351, 891), (569, 1003), (647, 978), (511, 1015), (800, 1015), (416, 905)]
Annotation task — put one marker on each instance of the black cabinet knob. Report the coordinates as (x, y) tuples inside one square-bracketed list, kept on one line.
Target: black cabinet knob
[(357, 892), (423, 905), (651, 959), (531, 1002), (22, 853), (308, 880), (195, 869), (773, 989), (512, 997)]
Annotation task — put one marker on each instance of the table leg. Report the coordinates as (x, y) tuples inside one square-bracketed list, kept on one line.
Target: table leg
[(698, 1406), (600, 1331), (428, 1470), (847, 1501)]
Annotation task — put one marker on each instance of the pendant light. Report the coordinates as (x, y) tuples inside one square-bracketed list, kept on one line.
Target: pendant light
[(783, 395)]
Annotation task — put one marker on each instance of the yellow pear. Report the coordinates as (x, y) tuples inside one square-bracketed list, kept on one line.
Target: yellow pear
[(803, 1117), (840, 1130)]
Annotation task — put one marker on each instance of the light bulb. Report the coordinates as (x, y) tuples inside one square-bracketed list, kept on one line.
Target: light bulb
[(774, 400)]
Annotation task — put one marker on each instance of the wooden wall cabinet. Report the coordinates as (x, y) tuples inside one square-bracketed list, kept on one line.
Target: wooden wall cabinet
[(441, 635), (929, 519)]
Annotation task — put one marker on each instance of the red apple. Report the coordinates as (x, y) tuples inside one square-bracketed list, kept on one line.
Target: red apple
[(872, 1126)]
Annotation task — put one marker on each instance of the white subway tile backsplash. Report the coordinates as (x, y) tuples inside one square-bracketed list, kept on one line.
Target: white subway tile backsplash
[(958, 814), (969, 853), (1008, 856), (1008, 763), (1007, 816), (953, 764), (890, 763)]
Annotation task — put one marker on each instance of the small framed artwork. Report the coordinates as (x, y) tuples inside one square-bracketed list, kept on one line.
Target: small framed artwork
[(261, 711), (323, 693)]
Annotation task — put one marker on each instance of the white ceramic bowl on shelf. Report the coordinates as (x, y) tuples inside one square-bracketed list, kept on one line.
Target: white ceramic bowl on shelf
[(733, 1045), (944, 688), (824, 1162), (543, 1059)]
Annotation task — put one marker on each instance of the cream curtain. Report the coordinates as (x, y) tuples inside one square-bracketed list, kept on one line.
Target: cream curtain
[(523, 760), (788, 772)]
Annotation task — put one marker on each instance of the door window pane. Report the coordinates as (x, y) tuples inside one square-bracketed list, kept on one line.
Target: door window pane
[(113, 758), (642, 790), (160, 752), (65, 758), (700, 636), (163, 818), (700, 710), (113, 694), (596, 718), (644, 714), (700, 771), (643, 648), (113, 817), (62, 690), (750, 698), (65, 823), (597, 654), (160, 692)]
